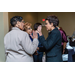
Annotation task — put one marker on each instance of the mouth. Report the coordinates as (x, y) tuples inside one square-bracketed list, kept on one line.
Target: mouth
[(30, 32)]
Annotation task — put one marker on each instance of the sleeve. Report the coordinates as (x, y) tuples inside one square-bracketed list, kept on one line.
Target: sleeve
[(42, 49), (49, 43), (64, 37), (28, 45)]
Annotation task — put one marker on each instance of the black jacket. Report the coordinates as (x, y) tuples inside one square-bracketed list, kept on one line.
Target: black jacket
[(52, 46)]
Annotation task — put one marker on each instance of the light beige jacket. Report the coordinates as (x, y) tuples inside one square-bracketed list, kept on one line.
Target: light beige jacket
[(18, 46)]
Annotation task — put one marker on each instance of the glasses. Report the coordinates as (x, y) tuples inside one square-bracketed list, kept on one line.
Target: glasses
[(29, 28), (23, 21)]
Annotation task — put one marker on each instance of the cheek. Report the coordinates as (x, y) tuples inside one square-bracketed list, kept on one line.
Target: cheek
[(22, 25), (27, 31), (30, 31), (46, 26)]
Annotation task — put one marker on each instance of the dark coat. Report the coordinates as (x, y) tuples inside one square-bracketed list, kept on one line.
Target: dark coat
[(52, 46)]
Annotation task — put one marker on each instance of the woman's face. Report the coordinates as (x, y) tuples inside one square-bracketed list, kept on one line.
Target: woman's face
[(48, 26), (21, 25), (39, 28), (29, 30)]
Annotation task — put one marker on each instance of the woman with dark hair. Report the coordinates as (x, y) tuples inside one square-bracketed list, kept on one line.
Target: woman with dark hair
[(53, 42), (18, 46), (38, 56)]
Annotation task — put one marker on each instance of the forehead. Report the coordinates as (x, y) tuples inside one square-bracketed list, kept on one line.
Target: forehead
[(28, 26), (47, 21)]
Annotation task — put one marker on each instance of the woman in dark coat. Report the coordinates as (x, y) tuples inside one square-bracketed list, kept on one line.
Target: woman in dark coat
[(52, 45)]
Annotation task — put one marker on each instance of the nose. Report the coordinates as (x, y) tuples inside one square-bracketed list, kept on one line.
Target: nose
[(45, 25)]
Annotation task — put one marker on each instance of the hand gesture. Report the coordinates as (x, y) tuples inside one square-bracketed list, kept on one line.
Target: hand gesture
[(36, 53), (39, 30), (34, 35)]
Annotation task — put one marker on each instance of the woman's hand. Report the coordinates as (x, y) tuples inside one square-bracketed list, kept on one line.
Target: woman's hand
[(34, 35), (36, 53), (39, 31)]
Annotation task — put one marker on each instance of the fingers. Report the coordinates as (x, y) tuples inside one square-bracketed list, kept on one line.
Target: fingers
[(37, 48), (39, 29), (36, 53), (31, 36), (35, 34)]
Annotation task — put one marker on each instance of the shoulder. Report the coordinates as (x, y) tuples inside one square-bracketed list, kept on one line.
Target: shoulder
[(60, 31), (56, 31), (24, 34), (6, 35), (17, 33)]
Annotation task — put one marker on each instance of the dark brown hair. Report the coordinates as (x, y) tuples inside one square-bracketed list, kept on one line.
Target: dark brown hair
[(36, 25), (53, 19), (14, 20)]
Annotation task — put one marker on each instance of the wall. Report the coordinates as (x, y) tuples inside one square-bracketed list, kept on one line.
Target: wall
[(66, 20), (3, 30), (27, 16)]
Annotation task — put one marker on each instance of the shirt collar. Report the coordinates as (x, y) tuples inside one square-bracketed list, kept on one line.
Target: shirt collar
[(15, 28)]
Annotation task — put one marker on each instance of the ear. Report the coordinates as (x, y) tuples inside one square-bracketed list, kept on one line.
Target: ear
[(18, 22), (52, 24)]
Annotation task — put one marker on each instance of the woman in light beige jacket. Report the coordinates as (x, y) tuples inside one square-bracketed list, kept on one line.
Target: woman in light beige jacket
[(18, 46)]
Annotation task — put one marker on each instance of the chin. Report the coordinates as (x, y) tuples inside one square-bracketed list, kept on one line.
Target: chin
[(30, 33)]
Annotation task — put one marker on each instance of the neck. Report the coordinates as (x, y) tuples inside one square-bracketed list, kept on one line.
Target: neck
[(18, 27), (58, 27), (52, 28)]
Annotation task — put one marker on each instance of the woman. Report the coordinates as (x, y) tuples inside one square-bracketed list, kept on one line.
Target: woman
[(38, 57), (28, 29), (18, 46), (53, 42)]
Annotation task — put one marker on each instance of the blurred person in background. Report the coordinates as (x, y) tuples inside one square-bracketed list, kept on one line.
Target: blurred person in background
[(38, 57), (64, 40)]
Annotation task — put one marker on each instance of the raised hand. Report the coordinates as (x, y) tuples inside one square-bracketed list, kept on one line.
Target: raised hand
[(34, 35), (39, 30)]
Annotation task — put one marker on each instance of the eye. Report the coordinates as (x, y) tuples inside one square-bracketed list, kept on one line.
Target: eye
[(45, 23)]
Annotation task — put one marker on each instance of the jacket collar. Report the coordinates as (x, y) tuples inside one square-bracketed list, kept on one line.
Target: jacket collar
[(15, 28), (53, 30)]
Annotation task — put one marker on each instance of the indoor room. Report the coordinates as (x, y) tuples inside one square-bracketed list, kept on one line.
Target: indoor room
[(66, 21)]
